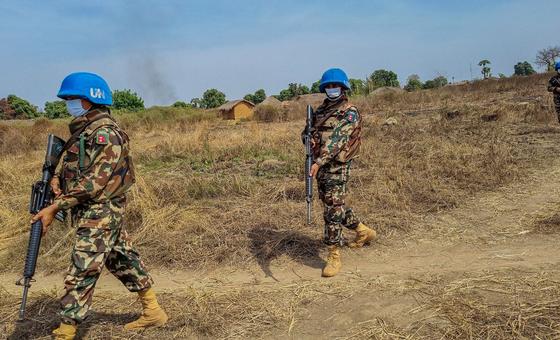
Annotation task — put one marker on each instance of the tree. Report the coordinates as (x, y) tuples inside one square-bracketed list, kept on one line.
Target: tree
[(413, 83), (547, 57), (523, 69), (258, 97), (485, 68), (383, 78), (127, 100), (22, 108), (315, 87), (293, 91), (303, 89), (212, 98), (285, 94), (435, 83), (196, 102), (56, 109), (357, 86), (180, 104)]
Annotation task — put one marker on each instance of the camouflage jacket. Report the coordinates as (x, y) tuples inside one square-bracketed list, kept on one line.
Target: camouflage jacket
[(97, 167), (554, 85), (337, 138)]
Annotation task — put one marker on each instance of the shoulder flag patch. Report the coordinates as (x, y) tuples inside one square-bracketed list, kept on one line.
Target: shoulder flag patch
[(351, 116), (102, 137)]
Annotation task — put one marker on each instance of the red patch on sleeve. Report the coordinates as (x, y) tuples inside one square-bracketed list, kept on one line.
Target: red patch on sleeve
[(101, 139)]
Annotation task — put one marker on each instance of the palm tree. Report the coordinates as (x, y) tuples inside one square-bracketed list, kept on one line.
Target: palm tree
[(485, 69)]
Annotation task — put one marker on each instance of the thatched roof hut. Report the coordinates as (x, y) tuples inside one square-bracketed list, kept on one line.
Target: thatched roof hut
[(272, 101), (237, 109)]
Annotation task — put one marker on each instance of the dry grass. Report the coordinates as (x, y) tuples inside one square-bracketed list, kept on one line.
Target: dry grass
[(492, 305), (496, 305), (207, 313), (212, 194), (205, 186)]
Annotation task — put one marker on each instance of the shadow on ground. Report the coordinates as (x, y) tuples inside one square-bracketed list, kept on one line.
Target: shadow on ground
[(268, 243), (42, 317)]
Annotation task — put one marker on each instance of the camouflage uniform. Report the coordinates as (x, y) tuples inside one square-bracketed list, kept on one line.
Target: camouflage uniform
[(337, 139), (554, 87), (96, 173)]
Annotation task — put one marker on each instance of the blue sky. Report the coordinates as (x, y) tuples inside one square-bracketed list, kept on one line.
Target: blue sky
[(171, 50)]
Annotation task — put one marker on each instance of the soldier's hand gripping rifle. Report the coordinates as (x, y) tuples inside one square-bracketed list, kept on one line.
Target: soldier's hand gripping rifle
[(308, 136), (41, 197)]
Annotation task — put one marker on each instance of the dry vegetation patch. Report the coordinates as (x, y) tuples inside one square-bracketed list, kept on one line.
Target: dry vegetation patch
[(199, 313), (494, 305), (211, 194), (209, 191)]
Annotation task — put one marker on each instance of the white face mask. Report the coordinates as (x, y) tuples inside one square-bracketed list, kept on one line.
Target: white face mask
[(334, 92), (75, 108)]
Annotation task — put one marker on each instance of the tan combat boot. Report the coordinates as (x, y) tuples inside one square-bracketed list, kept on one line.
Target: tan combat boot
[(333, 262), (65, 332), (152, 314), (363, 236)]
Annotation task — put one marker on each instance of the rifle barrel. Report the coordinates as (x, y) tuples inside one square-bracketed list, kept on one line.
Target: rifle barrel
[(26, 286), (308, 163)]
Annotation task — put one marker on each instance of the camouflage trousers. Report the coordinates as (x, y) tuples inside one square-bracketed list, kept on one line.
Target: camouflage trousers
[(100, 242), (332, 182)]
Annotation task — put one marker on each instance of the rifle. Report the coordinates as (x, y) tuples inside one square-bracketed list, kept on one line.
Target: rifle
[(41, 197), (308, 161)]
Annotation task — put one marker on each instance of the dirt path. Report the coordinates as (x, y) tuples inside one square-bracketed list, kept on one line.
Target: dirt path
[(489, 233)]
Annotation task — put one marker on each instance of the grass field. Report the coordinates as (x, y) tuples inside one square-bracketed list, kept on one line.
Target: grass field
[(222, 198)]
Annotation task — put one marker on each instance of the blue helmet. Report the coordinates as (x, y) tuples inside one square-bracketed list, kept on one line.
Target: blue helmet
[(88, 86), (557, 66), (334, 76)]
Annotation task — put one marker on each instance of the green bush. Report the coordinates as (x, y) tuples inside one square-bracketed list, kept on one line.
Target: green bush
[(56, 109), (413, 83), (523, 69), (315, 87), (258, 97), (435, 83), (180, 104), (383, 78), (127, 100), (196, 102), (293, 91)]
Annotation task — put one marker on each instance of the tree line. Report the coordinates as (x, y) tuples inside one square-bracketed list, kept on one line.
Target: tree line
[(14, 107)]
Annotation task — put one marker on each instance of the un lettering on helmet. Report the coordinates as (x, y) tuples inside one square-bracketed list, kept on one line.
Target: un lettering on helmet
[(96, 93)]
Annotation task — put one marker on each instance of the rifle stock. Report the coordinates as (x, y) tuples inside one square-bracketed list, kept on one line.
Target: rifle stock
[(41, 197)]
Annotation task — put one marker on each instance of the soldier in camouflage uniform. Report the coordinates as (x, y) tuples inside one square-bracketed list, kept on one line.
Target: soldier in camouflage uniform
[(336, 140), (554, 88), (96, 173)]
